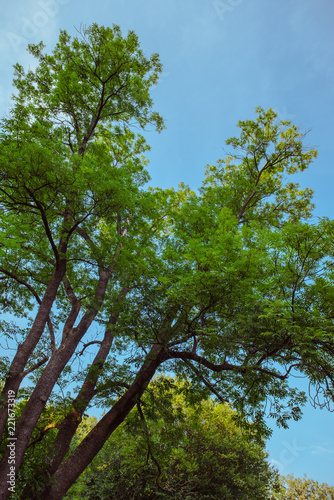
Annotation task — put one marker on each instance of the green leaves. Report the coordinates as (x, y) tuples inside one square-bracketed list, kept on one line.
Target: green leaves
[(169, 447), (97, 77), (230, 286), (292, 488), (80, 162), (266, 151)]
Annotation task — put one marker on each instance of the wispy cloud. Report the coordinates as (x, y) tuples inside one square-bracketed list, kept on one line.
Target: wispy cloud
[(319, 450)]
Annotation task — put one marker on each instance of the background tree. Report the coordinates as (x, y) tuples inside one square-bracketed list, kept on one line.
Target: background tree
[(174, 447), (230, 287), (303, 489)]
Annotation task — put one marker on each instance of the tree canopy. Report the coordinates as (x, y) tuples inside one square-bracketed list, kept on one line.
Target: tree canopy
[(303, 489), (108, 282)]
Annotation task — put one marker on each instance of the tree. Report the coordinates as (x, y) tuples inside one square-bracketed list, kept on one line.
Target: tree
[(230, 287), (173, 448), (304, 489)]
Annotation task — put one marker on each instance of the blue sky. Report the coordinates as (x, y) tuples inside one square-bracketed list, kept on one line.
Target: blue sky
[(221, 58)]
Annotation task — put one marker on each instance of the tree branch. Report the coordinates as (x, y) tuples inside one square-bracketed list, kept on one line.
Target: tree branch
[(34, 367), (150, 452), (46, 226), (205, 382), (76, 306), (185, 355), (88, 344), (39, 301), (42, 432)]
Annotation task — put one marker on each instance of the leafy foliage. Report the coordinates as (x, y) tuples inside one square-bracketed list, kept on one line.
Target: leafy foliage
[(230, 287), (169, 448), (304, 489)]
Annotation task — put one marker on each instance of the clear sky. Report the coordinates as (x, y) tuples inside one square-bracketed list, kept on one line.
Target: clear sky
[(221, 58)]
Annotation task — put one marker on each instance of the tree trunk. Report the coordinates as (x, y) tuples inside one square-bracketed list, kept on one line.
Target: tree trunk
[(25, 349), (69, 425), (71, 469), (43, 389)]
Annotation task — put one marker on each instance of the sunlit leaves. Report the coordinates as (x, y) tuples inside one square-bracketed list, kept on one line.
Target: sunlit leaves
[(251, 180), (172, 447)]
